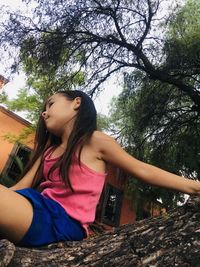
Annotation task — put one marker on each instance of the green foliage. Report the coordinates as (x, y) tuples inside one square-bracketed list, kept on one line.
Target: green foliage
[(93, 38), (158, 123), (20, 138), (46, 73), (3, 97), (102, 122), (65, 44), (184, 27), (182, 46)]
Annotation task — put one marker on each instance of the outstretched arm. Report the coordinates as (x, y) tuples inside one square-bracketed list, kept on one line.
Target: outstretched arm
[(112, 152)]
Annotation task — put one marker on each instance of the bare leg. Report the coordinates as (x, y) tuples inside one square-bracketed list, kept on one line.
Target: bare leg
[(16, 214)]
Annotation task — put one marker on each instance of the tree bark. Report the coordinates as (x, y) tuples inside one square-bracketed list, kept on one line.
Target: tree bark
[(172, 239)]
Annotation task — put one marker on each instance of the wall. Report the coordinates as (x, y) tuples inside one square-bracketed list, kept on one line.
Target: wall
[(10, 123)]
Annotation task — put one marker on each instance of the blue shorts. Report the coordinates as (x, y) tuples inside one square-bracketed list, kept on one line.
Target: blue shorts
[(50, 222)]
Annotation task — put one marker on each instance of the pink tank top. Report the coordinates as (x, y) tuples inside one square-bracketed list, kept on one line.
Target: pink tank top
[(87, 184)]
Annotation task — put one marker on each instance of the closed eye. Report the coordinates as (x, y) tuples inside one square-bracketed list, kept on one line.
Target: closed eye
[(50, 104)]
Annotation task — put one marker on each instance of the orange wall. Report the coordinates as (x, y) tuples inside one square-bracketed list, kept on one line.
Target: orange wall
[(10, 123)]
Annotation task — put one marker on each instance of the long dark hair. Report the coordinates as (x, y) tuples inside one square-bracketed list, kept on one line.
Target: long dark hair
[(85, 124)]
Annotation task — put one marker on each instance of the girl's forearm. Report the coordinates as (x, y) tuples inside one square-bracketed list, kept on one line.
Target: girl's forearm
[(159, 177)]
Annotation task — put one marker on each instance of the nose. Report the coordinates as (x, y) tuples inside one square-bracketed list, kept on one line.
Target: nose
[(44, 114)]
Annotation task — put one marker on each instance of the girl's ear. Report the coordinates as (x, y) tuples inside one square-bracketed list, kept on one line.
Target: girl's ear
[(77, 103)]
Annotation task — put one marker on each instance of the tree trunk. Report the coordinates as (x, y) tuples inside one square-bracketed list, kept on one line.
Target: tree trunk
[(169, 240)]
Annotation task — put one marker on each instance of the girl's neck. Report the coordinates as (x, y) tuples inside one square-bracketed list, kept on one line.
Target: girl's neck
[(63, 146), (64, 141)]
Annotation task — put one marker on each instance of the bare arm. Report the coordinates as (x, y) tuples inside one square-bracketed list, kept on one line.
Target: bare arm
[(27, 180), (112, 152)]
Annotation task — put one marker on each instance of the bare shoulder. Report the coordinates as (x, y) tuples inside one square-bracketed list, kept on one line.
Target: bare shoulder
[(101, 139), (110, 151), (103, 144)]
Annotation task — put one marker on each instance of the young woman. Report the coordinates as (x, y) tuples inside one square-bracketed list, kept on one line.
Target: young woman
[(69, 163)]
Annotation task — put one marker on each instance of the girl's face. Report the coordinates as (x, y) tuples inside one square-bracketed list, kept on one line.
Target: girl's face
[(60, 113)]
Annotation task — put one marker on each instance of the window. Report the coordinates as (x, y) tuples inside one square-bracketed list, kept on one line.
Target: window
[(18, 159), (111, 206)]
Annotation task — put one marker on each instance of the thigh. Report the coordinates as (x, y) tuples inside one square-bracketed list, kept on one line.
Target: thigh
[(16, 214), (50, 222)]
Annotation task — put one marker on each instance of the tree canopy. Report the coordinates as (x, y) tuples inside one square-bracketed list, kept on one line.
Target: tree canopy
[(158, 123), (106, 35)]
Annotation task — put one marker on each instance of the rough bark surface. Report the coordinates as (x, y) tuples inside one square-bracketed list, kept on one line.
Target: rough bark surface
[(169, 240)]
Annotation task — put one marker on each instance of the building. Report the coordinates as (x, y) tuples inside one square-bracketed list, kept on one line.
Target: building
[(12, 125)]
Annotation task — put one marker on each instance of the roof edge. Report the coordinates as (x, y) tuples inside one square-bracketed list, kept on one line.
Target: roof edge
[(14, 116)]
